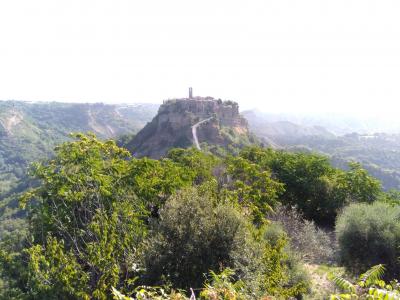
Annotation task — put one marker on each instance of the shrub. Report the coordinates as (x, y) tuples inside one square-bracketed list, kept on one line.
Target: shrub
[(369, 286), (274, 232), (193, 236), (281, 273), (197, 234), (297, 275), (369, 234), (311, 184), (85, 224), (306, 239), (221, 286), (149, 293)]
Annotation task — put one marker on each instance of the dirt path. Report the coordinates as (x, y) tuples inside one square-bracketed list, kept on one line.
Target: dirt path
[(194, 132), (322, 287)]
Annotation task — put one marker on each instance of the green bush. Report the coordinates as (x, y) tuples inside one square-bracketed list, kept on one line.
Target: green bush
[(195, 235), (274, 232), (310, 242), (309, 182), (369, 234), (291, 260), (85, 224), (368, 286)]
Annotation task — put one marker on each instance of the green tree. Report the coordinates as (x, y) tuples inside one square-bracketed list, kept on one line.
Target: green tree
[(197, 163), (85, 221), (251, 185), (361, 186), (198, 233), (311, 184), (153, 181)]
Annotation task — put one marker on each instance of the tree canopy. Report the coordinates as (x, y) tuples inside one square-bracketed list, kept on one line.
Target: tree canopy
[(100, 220)]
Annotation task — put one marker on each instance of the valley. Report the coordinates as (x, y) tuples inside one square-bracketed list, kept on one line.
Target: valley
[(29, 132), (377, 151), (191, 159)]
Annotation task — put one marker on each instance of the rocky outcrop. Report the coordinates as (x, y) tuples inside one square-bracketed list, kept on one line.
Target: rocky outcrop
[(172, 126)]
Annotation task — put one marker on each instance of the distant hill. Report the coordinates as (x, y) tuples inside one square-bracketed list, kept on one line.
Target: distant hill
[(277, 133), (191, 122), (30, 131), (336, 123), (379, 153)]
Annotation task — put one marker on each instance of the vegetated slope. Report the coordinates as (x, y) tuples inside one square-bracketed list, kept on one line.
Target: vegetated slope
[(231, 215), (173, 126), (277, 133), (379, 153), (30, 131)]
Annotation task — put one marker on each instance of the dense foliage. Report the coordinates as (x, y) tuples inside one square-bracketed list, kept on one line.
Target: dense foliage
[(90, 215), (79, 217), (368, 286), (201, 235), (30, 131), (369, 234), (312, 184), (103, 223), (313, 244)]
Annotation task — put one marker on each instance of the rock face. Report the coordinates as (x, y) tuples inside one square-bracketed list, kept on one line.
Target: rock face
[(172, 126)]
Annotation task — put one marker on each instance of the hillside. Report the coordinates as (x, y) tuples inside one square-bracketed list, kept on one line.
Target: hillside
[(30, 131), (191, 121), (379, 153), (103, 223), (336, 123), (92, 197)]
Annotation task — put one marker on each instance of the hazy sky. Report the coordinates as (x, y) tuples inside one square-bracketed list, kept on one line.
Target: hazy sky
[(322, 55)]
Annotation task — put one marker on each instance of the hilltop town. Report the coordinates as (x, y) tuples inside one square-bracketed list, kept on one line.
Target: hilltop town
[(182, 122)]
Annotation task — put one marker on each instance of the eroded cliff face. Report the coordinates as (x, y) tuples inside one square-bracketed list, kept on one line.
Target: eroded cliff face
[(172, 126)]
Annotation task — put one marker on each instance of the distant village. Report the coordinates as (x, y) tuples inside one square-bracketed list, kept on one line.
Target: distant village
[(192, 98)]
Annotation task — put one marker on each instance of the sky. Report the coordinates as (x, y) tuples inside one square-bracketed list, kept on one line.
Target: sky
[(277, 56)]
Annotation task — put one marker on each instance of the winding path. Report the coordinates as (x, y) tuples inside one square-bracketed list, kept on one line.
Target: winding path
[(194, 132)]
